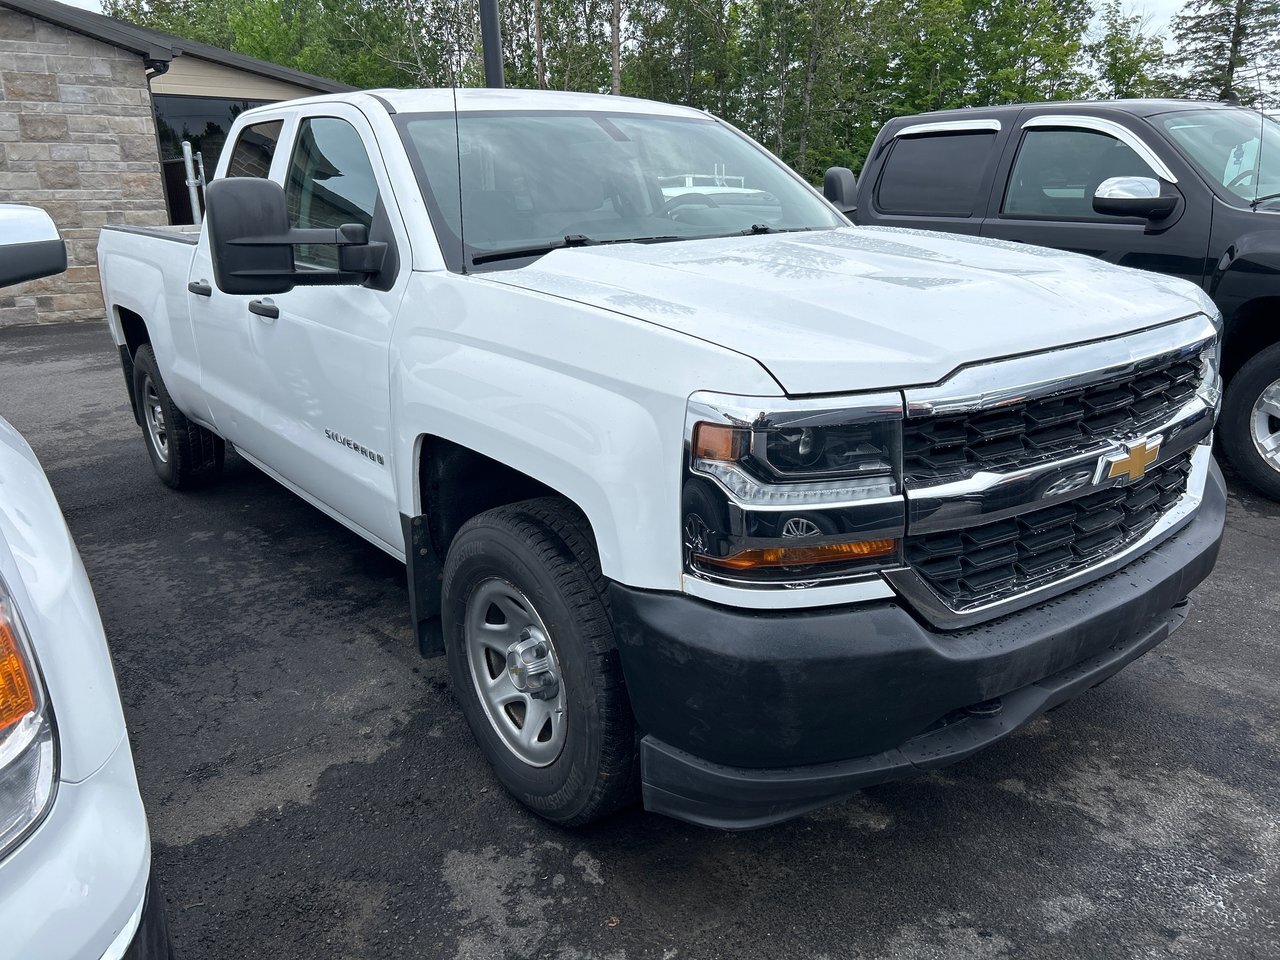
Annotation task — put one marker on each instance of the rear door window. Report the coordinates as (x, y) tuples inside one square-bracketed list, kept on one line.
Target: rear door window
[(1057, 172), (254, 150), (937, 175)]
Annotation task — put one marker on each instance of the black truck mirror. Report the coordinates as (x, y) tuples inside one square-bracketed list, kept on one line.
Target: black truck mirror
[(30, 247), (251, 243), (1133, 197), (840, 186)]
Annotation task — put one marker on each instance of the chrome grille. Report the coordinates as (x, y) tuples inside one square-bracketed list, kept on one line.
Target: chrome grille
[(945, 448), (992, 561)]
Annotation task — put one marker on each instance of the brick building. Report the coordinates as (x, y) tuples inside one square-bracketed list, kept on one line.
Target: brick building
[(92, 115)]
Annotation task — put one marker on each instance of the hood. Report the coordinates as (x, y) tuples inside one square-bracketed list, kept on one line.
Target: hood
[(863, 308)]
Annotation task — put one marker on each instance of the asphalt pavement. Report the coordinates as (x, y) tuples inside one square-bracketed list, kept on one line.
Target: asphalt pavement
[(314, 791)]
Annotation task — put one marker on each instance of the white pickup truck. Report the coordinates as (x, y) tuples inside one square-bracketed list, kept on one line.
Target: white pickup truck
[(707, 495)]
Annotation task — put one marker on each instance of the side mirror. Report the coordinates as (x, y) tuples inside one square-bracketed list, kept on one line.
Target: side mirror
[(30, 247), (840, 186), (251, 243), (1133, 197)]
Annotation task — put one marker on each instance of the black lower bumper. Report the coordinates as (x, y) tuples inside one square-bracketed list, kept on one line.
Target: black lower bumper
[(752, 717), (151, 941)]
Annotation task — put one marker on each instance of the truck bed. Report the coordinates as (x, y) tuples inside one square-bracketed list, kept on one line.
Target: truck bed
[(180, 233)]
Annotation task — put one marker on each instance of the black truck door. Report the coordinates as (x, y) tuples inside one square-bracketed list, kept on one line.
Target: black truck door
[(1047, 177)]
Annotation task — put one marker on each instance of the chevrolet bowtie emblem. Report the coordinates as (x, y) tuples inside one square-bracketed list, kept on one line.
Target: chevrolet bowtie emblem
[(1131, 462)]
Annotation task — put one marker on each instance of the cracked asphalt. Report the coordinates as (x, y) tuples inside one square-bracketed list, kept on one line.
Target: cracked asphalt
[(314, 792)]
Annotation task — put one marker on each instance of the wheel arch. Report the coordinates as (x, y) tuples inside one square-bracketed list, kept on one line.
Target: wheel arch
[(453, 484), (1253, 326)]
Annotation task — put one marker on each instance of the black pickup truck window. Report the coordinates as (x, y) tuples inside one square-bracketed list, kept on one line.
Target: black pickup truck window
[(1057, 171), (254, 150), (938, 175)]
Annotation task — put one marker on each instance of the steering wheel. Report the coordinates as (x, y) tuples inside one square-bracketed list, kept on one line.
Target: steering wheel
[(1239, 178), (684, 199)]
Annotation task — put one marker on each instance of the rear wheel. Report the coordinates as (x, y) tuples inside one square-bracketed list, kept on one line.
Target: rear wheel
[(533, 661), (1251, 422), (182, 453)]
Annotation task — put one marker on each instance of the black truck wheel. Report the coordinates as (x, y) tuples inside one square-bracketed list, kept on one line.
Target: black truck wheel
[(533, 661), (183, 453), (1250, 422)]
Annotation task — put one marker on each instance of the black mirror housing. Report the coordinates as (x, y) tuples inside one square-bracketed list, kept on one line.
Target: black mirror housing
[(1141, 197), (238, 212), (251, 243), (840, 186)]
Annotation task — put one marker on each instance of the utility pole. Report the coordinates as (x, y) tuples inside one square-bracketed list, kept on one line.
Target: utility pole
[(491, 42)]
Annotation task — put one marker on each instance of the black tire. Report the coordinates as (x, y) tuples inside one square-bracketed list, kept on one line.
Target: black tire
[(191, 454), (1237, 423), (545, 549)]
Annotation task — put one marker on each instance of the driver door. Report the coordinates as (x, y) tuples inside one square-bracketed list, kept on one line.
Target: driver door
[(1052, 167)]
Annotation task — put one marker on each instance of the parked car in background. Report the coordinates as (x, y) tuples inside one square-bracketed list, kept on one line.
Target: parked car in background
[(1182, 188), (75, 856), (710, 498)]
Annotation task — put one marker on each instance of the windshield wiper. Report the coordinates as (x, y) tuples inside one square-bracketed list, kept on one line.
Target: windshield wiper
[(756, 229), (1268, 197), (515, 253)]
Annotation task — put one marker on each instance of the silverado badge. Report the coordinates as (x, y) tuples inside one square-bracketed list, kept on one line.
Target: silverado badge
[(1130, 462)]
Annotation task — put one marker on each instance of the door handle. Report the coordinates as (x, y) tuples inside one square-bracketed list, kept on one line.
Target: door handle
[(264, 308), (200, 288)]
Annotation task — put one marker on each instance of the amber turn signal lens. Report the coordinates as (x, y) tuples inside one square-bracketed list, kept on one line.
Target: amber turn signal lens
[(801, 556), (16, 696), (717, 441)]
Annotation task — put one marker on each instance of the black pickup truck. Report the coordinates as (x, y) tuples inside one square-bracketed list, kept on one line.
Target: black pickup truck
[(1183, 188)]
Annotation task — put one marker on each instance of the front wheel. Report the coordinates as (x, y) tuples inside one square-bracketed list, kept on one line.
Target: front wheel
[(533, 661), (1250, 422)]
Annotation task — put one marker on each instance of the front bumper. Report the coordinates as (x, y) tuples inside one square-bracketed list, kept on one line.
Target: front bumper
[(753, 717), (80, 888)]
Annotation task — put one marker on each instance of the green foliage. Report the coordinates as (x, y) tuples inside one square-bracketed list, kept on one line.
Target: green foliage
[(1128, 61), (813, 80), (1228, 46)]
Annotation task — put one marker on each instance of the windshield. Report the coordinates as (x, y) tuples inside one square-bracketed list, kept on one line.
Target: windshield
[(530, 180), (1225, 145)]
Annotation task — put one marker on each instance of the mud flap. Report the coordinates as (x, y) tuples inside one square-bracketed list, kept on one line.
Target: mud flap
[(423, 569)]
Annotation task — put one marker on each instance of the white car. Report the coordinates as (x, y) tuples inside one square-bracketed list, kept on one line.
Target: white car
[(711, 499), (75, 857)]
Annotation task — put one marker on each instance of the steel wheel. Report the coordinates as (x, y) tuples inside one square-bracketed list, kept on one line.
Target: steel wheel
[(1266, 425), (515, 671), (153, 413)]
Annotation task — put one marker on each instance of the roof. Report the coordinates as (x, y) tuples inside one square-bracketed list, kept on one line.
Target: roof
[(162, 47), (1141, 108), (482, 99)]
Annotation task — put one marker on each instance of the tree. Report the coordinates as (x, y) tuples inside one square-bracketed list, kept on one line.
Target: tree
[(1128, 61), (1224, 44)]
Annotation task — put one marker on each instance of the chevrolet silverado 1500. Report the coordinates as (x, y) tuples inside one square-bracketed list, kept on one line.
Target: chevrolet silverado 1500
[(708, 496)]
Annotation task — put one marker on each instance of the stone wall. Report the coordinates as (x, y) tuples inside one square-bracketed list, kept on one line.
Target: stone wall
[(78, 138)]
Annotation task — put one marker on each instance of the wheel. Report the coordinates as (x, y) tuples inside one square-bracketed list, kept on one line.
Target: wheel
[(1250, 422), (533, 661), (183, 453)]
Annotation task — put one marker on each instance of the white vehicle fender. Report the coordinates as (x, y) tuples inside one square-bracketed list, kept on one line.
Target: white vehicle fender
[(589, 403)]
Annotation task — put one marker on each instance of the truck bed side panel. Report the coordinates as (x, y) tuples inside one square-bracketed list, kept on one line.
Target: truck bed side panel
[(145, 271)]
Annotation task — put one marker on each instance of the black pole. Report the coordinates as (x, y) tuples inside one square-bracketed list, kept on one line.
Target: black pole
[(491, 40)]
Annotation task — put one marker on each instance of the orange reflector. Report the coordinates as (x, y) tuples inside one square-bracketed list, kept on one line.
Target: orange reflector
[(717, 441), (799, 556), (16, 696)]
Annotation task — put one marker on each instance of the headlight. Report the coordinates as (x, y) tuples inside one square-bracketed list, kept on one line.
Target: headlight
[(27, 754), (1210, 389), (780, 493)]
